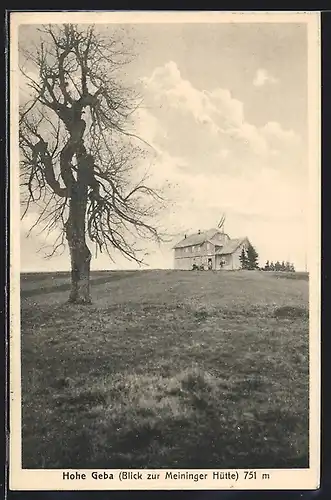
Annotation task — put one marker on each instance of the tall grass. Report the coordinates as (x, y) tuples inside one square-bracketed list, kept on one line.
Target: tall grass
[(168, 369)]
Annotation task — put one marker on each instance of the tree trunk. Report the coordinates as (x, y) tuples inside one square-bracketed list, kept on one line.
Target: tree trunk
[(80, 274), (79, 252)]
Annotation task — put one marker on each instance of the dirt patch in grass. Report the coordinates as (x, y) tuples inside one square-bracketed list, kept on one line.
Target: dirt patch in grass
[(291, 312), (182, 372), (292, 276)]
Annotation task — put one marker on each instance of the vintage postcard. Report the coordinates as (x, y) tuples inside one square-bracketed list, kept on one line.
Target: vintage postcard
[(165, 250)]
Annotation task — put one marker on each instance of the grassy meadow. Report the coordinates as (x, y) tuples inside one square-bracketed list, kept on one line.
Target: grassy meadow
[(175, 369)]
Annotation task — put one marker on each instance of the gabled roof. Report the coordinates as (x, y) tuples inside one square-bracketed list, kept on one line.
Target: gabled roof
[(197, 238), (230, 246)]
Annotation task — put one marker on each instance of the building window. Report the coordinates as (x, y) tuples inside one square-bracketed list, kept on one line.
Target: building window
[(193, 248), (208, 246), (186, 249), (199, 249)]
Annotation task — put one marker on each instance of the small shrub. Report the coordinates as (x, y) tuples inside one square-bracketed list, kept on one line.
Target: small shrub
[(61, 383), (201, 315)]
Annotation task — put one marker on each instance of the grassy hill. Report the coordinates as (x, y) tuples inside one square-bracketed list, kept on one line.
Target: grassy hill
[(166, 369)]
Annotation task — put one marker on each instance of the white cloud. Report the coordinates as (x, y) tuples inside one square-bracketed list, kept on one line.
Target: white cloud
[(217, 161), (262, 77), (195, 123), (273, 129)]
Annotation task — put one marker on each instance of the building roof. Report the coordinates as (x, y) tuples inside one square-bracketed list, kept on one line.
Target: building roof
[(230, 246), (197, 238)]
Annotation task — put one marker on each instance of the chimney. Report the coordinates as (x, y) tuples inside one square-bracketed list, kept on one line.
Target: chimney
[(199, 232), (185, 237)]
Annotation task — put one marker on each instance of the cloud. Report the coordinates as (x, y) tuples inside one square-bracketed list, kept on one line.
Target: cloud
[(200, 124), (219, 161), (262, 77), (274, 130)]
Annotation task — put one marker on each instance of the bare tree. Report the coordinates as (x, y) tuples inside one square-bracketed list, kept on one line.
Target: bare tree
[(78, 154)]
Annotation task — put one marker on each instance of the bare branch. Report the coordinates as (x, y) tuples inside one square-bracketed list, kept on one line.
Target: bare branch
[(79, 151)]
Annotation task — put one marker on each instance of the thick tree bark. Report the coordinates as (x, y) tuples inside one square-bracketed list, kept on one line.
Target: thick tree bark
[(80, 273), (79, 252)]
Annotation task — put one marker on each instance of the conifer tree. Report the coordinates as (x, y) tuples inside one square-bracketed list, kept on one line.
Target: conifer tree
[(252, 257), (243, 259)]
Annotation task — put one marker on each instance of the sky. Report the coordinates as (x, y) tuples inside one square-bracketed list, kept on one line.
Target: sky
[(225, 111)]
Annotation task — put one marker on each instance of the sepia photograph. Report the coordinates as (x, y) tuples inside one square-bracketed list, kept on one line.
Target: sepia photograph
[(164, 249)]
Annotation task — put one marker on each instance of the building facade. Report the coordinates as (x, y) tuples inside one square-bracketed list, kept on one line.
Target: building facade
[(210, 249)]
